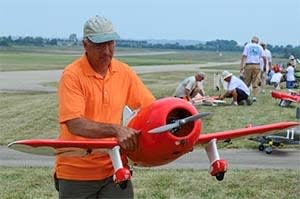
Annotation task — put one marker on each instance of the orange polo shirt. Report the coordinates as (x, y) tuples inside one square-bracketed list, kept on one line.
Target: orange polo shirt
[(84, 93)]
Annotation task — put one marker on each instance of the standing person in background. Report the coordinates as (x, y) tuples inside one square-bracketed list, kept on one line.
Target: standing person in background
[(292, 61), (92, 94), (264, 70), (290, 76), (250, 63), (190, 86)]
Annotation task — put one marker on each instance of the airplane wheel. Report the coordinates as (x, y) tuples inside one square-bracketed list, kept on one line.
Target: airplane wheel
[(269, 150), (261, 147), (220, 176), (123, 185)]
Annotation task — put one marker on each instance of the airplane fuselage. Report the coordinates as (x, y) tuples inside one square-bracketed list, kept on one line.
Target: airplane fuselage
[(168, 145)]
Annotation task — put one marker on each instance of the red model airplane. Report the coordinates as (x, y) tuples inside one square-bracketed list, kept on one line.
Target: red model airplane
[(286, 98), (170, 127)]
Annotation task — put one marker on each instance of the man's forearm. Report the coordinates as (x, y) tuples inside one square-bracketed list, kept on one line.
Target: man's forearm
[(187, 94), (243, 59), (87, 128)]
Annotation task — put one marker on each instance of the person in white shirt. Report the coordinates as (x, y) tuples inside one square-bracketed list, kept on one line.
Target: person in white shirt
[(236, 89), (264, 70), (276, 78), (250, 64), (190, 87), (290, 76)]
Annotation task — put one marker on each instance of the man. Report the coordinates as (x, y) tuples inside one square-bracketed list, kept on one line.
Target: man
[(92, 93), (264, 70), (292, 61), (190, 86), (250, 63), (236, 89)]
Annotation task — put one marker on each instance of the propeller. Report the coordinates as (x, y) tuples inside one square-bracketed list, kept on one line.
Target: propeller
[(178, 123)]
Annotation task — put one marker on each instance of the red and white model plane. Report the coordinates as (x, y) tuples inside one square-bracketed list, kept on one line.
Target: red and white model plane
[(169, 128), (286, 98)]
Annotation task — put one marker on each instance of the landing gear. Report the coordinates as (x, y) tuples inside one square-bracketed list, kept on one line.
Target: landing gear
[(122, 175), (220, 176), (123, 185), (261, 147), (218, 166), (218, 169), (269, 150)]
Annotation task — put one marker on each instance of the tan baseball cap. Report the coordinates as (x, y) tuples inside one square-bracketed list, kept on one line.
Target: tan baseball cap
[(99, 29)]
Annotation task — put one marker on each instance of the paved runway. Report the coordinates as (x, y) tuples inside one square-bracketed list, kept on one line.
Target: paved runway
[(237, 159), (20, 81)]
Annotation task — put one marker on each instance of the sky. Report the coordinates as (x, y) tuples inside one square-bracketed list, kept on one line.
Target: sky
[(276, 22)]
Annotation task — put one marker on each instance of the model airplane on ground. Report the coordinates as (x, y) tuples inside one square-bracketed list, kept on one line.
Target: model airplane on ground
[(268, 142), (207, 100), (286, 98), (169, 128)]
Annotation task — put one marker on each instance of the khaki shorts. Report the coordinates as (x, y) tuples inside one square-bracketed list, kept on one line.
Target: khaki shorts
[(252, 75)]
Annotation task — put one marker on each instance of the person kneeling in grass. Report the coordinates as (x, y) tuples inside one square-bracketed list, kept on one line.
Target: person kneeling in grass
[(236, 89)]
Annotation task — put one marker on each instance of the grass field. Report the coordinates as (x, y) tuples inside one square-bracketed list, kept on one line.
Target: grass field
[(27, 183), (37, 58), (34, 115)]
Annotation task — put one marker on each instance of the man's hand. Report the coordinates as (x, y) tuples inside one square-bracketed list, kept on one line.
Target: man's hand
[(128, 138), (221, 97)]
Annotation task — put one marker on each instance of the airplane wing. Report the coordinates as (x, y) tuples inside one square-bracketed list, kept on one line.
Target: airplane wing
[(256, 130), (62, 147)]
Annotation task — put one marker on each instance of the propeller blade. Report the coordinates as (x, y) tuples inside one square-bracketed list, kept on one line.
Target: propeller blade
[(164, 128), (178, 123), (193, 117)]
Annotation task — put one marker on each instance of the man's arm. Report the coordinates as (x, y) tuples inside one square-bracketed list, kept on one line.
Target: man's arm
[(202, 93), (270, 65), (128, 138), (265, 62), (227, 94), (243, 62), (187, 94)]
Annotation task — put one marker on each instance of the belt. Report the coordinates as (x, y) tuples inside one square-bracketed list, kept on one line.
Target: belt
[(252, 64)]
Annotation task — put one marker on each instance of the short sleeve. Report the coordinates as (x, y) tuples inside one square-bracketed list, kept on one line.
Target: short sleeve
[(71, 100)]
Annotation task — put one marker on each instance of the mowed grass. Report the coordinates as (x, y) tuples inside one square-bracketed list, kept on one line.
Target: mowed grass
[(27, 183), (50, 58), (21, 58), (27, 115)]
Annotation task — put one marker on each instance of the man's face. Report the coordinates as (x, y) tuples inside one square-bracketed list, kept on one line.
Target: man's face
[(99, 54), (199, 78), (227, 79)]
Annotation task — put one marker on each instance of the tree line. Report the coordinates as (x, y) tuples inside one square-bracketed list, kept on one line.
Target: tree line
[(215, 45)]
